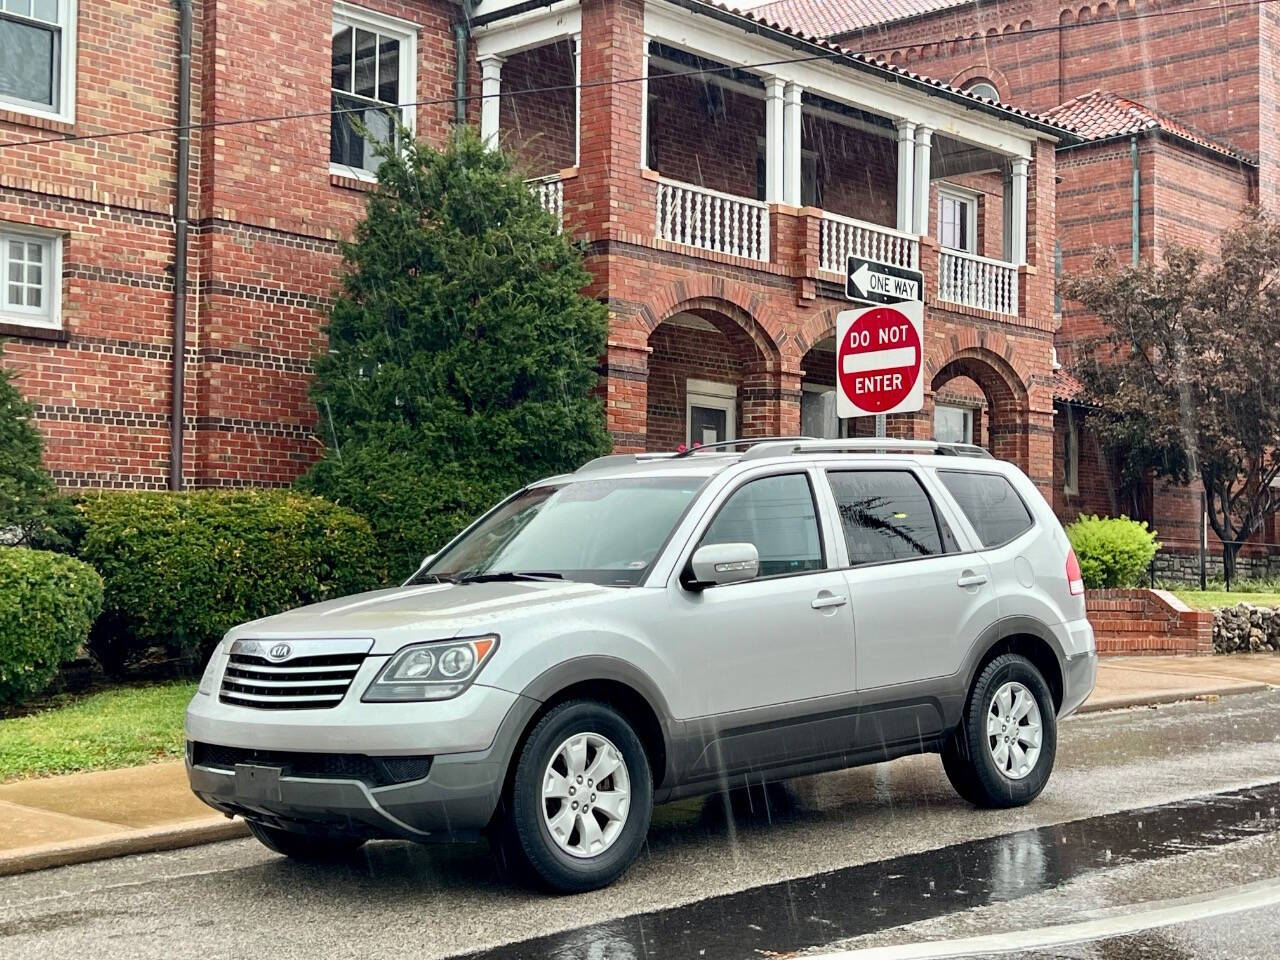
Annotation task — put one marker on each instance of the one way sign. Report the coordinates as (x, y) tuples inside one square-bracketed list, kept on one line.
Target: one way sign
[(882, 282)]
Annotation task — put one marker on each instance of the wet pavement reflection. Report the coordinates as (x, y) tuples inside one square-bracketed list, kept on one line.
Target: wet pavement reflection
[(798, 914)]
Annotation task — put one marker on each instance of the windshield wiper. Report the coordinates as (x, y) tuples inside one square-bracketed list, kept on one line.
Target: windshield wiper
[(421, 578), (510, 575)]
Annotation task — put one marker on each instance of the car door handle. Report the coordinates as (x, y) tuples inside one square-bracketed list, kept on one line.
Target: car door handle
[(971, 579), (822, 601)]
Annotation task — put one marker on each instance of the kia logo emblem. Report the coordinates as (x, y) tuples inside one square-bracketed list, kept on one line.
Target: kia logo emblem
[(280, 651)]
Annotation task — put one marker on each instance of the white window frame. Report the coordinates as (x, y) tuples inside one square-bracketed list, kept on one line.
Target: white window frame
[(50, 316), (349, 15), (969, 418), (713, 396), (970, 198), (973, 89), (843, 424), (65, 111), (1071, 460)]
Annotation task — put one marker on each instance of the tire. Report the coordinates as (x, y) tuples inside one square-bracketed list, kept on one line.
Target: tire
[(590, 736), (304, 846), (982, 773)]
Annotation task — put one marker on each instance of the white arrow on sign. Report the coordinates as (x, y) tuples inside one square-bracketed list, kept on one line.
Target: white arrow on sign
[(867, 281)]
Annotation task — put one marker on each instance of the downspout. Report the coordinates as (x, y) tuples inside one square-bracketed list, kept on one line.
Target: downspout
[(461, 40), (180, 247), (1137, 194)]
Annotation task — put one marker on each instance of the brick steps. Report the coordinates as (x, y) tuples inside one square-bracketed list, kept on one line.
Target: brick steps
[(1146, 622)]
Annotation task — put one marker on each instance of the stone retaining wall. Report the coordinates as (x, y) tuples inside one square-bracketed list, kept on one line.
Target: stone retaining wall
[(1245, 628)]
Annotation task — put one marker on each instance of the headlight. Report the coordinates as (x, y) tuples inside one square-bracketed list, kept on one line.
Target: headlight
[(210, 674), (431, 671)]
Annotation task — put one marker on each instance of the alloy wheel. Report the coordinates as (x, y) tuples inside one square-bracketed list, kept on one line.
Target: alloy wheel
[(1014, 730), (586, 795)]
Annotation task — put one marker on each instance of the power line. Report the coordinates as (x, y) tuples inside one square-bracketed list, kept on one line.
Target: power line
[(556, 88)]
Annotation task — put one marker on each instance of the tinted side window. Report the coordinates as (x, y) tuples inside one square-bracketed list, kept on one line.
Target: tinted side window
[(886, 515), (991, 504), (777, 515)]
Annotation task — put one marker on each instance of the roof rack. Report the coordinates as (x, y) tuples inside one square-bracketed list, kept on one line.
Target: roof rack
[(741, 442), (788, 446), (721, 446)]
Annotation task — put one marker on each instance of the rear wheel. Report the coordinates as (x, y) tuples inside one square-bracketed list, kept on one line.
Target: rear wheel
[(304, 846), (1002, 753), (581, 798)]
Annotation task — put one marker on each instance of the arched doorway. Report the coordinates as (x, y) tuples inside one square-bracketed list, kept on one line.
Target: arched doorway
[(985, 386), (712, 377), (818, 396)]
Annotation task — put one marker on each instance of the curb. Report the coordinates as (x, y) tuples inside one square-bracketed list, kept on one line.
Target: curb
[(123, 844), (1151, 700)]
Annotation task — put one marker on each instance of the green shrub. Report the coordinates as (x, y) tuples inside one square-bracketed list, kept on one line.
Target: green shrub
[(1112, 551), (47, 604), (182, 568)]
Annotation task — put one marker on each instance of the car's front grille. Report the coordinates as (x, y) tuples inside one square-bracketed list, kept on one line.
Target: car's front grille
[(374, 771), (300, 683)]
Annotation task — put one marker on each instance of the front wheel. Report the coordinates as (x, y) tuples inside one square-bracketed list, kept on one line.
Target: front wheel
[(581, 798), (1002, 753), (304, 846)]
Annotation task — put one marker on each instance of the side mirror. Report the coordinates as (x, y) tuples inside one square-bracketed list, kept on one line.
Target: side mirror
[(720, 563), (427, 559)]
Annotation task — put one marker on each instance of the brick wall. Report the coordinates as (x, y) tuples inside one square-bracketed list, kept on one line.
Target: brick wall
[(539, 127), (1146, 622)]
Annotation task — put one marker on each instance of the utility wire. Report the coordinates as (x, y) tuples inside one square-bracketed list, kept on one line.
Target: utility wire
[(842, 54)]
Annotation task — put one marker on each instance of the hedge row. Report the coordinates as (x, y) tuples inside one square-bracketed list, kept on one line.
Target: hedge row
[(1112, 551), (47, 603), (181, 569)]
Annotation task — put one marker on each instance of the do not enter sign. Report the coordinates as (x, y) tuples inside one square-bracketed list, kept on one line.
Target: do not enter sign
[(879, 355)]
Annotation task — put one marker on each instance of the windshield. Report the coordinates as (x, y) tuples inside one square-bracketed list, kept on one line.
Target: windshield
[(596, 531)]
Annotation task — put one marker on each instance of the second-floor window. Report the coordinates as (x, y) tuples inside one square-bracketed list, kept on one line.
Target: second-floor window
[(37, 57), (372, 76), (957, 219)]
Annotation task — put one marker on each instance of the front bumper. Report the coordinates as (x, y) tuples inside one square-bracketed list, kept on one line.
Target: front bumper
[(455, 800)]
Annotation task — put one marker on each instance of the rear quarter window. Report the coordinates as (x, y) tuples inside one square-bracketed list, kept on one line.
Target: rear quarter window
[(991, 504)]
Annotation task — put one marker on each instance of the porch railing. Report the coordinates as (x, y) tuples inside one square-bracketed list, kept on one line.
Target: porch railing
[(841, 238), (720, 222), (550, 193), (973, 281)]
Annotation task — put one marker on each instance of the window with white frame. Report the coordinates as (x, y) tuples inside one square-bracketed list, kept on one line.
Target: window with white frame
[(37, 57), (373, 70), (952, 423), (30, 278), (984, 88), (710, 412), (957, 219)]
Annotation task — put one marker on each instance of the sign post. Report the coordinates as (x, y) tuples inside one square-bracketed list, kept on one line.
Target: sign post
[(880, 349)]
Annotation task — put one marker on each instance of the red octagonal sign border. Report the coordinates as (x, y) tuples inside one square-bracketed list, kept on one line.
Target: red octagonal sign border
[(879, 360)]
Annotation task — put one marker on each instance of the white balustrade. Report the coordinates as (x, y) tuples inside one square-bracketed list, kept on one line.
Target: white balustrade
[(698, 217), (841, 238), (550, 193), (980, 282)]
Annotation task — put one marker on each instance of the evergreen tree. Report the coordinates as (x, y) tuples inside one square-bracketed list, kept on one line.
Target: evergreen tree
[(32, 512), (462, 351)]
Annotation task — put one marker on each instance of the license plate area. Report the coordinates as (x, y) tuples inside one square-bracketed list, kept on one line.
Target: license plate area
[(255, 782)]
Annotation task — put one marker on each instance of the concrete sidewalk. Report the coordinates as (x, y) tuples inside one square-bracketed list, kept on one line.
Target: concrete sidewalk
[(92, 816)]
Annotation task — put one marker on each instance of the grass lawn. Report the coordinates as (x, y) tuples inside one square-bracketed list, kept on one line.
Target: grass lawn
[(114, 728), (1208, 599)]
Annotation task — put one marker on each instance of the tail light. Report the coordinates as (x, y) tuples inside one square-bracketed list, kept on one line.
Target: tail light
[(1075, 581)]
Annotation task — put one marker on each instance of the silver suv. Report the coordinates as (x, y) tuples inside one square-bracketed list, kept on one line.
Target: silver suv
[(653, 627)]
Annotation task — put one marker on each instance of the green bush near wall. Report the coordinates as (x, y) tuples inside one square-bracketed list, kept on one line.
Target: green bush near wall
[(47, 603), (182, 568), (1112, 551)]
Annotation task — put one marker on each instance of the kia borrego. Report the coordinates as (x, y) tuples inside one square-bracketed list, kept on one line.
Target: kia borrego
[(658, 626)]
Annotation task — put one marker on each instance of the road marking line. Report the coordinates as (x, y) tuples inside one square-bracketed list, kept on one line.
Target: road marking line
[(1251, 896), (879, 360)]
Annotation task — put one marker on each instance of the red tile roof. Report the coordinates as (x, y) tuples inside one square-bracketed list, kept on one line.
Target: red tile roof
[(828, 18), (1099, 115), (1065, 386), (757, 17)]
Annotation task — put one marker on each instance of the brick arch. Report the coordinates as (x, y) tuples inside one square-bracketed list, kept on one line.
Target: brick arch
[(1006, 393), (724, 298), (983, 71)]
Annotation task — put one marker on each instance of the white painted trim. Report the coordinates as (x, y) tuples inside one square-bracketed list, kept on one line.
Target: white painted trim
[(68, 51), (697, 34), (711, 388), (374, 19), (536, 28), (710, 395), (42, 320), (1124, 922), (970, 198)]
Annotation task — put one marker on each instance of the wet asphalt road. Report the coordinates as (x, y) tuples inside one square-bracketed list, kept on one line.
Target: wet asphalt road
[(854, 860)]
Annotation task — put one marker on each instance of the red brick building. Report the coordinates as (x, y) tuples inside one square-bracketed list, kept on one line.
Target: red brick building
[(1175, 104), (717, 169)]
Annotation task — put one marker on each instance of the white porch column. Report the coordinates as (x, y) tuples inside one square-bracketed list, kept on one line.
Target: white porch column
[(920, 198), (906, 174), (575, 45), (1018, 215), (791, 168), (774, 154), (490, 87)]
